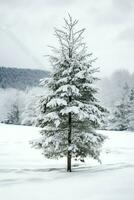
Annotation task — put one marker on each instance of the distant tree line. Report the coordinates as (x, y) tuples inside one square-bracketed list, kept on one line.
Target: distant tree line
[(20, 78)]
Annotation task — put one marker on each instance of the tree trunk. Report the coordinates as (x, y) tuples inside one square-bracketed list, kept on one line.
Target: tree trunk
[(69, 156), (69, 162), (69, 140)]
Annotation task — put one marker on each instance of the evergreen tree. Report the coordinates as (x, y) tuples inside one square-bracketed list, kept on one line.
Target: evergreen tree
[(70, 112), (131, 111), (119, 120), (29, 114), (13, 117), (105, 121)]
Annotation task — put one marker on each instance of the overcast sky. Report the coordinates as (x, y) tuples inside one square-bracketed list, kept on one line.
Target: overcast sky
[(26, 30)]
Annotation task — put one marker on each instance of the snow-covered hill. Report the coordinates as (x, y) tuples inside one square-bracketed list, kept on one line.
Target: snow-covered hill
[(26, 175)]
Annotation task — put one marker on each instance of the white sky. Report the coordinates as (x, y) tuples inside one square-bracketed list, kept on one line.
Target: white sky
[(26, 30)]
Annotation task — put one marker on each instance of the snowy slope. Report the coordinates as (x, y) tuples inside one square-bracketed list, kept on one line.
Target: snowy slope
[(26, 175)]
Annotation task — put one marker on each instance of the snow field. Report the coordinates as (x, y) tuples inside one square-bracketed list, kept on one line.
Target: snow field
[(26, 174)]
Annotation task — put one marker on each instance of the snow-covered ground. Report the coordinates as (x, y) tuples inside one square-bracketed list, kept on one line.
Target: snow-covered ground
[(26, 175)]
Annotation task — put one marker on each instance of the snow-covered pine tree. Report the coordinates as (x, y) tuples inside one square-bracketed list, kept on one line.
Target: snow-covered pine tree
[(70, 112), (30, 111), (119, 120), (131, 110), (13, 117)]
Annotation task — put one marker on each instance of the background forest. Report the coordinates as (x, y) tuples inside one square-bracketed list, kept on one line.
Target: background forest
[(22, 87)]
